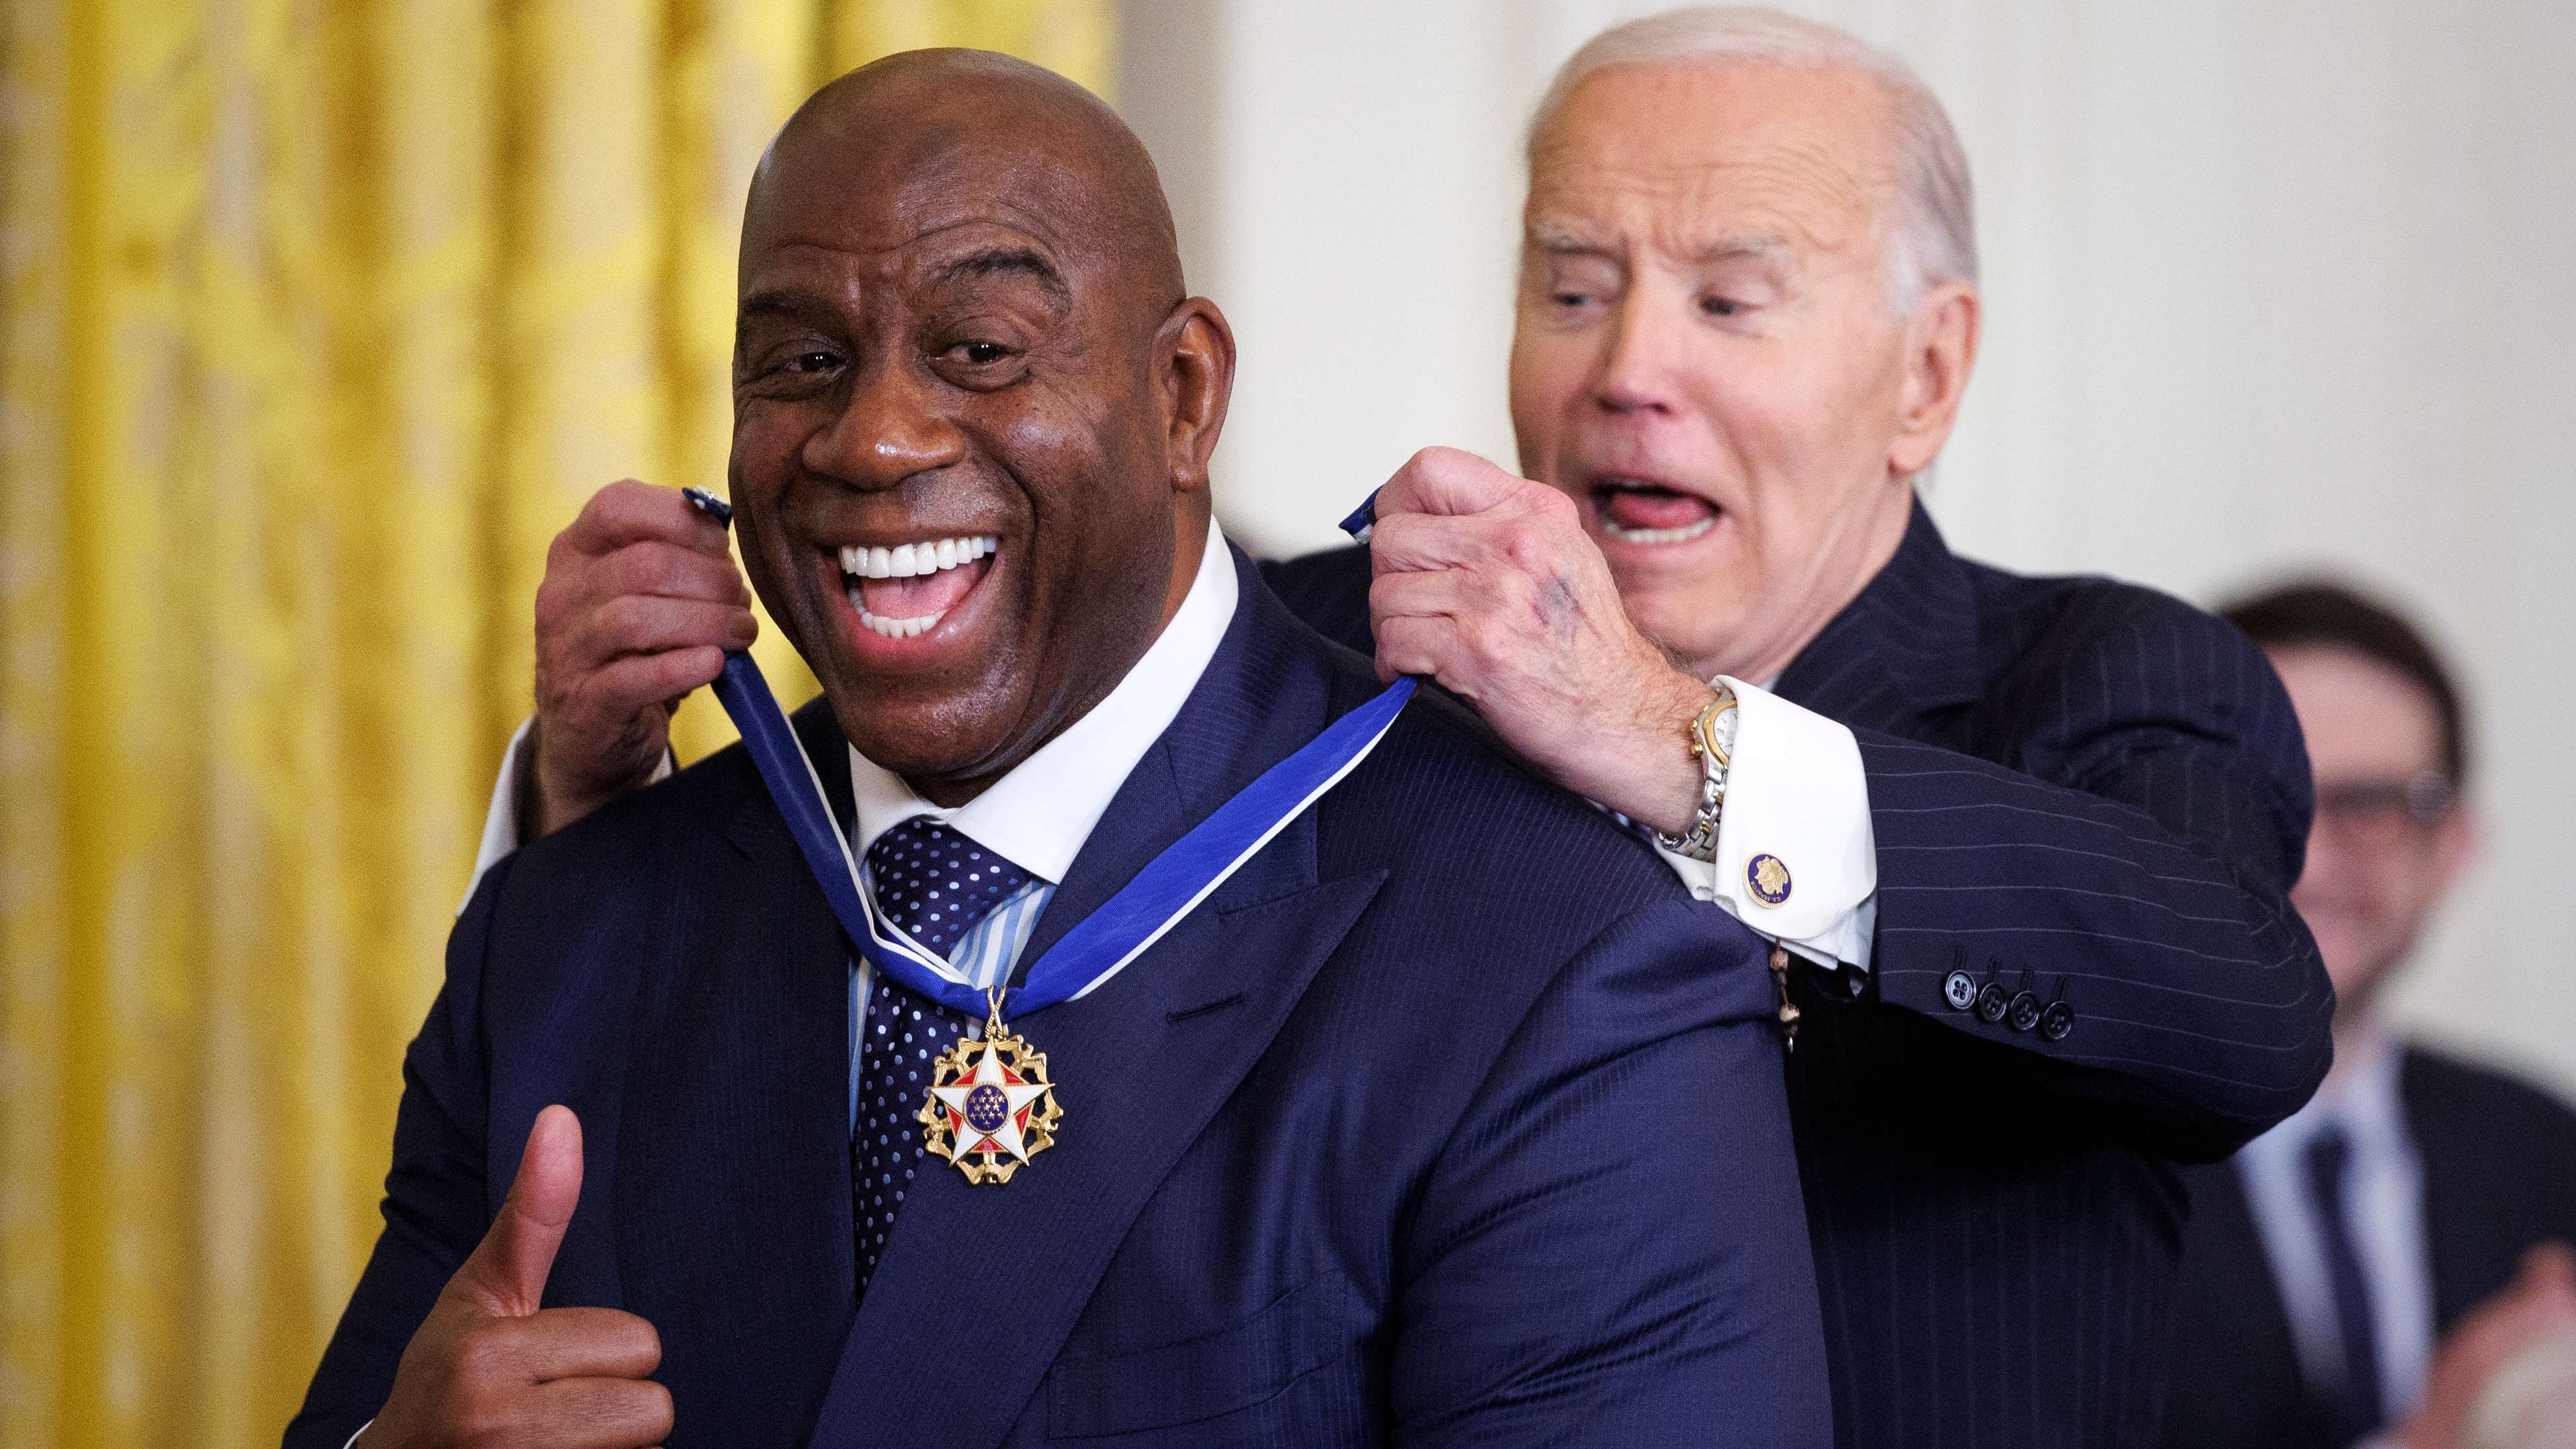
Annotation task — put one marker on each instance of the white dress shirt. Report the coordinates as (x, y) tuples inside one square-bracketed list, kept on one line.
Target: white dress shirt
[(1039, 815), (1795, 791), (2384, 1202)]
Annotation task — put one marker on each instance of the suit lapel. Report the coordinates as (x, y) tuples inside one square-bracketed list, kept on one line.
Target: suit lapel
[(733, 1184), (1906, 645), (980, 1285)]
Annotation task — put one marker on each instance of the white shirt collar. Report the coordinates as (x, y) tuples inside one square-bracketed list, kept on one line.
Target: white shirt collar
[(1038, 816)]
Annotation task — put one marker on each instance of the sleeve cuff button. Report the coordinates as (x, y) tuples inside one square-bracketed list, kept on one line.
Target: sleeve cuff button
[(1992, 1004), (2025, 1012), (2056, 1021)]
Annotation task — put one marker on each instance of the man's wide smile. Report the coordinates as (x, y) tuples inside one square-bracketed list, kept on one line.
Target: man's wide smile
[(904, 591), (913, 601)]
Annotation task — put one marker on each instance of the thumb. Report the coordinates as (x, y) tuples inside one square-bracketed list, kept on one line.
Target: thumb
[(1447, 481), (507, 1272)]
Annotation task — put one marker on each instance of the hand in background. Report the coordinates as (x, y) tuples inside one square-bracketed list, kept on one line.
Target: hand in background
[(490, 1368), (640, 601), (1487, 583), (2505, 1377)]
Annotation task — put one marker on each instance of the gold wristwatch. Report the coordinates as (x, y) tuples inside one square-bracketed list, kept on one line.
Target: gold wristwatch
[(1712, 740)]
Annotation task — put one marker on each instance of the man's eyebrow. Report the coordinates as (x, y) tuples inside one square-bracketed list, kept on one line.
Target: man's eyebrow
[(780, 302), (1557, 239), (995, 260), (1752, 246)]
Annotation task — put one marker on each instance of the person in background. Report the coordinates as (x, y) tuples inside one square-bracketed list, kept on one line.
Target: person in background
[(2359, 1273)]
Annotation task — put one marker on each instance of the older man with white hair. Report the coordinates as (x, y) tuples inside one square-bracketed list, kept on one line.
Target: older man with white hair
[(2023, 844)]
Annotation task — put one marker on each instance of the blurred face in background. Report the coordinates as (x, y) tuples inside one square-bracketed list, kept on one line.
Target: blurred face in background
[(2390, 836), (1708, 355)]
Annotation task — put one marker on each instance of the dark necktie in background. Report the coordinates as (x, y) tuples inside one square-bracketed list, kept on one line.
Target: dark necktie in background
[(935, 884), (2356, 1401)]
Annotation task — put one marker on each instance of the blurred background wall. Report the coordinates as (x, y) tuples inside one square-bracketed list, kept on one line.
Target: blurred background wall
[(2269, 284), (319, 317)]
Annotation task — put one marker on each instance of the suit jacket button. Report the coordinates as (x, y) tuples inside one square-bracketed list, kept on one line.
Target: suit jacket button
[(1960, 990), (2056, 1022), (1991, 1004), (2025, 1012)]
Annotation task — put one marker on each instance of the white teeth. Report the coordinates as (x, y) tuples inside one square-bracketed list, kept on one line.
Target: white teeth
[(1683, 534), (908, 561), (912, 560), (896, 628)]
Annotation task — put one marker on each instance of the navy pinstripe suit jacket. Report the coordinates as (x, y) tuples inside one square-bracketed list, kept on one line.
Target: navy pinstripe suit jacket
[(2084, 791)]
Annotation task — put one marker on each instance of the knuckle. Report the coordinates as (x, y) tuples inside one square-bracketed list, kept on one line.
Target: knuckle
[(482, 1352), (1519, 543), (1552, 504), (625, 616)]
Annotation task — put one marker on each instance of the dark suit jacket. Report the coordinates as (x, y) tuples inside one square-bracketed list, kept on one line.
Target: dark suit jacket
[(2087, 792), (2499, 1177), (1449, 1118)]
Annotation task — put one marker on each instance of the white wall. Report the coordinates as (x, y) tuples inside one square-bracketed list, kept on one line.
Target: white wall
[(2268, 285)]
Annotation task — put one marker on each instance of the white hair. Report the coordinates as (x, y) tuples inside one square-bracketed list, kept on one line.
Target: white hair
[(1934, 238)]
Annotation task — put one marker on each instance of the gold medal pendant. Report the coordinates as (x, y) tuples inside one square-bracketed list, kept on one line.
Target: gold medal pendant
[(991, 1106)]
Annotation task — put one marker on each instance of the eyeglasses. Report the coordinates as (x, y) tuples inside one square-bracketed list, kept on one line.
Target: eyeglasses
[(2380, 811)]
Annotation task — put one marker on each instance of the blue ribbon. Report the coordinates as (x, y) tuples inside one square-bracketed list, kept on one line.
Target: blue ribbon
[(1167, 889), (1362, 519)]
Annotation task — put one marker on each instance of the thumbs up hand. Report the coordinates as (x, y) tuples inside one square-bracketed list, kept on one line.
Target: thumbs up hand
[(489, 1368)]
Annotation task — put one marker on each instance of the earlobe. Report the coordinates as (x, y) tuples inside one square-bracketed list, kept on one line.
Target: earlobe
[(1196, 348)]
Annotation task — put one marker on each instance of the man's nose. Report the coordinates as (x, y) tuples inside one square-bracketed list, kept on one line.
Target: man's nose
[(1638, 367), (889, 429)]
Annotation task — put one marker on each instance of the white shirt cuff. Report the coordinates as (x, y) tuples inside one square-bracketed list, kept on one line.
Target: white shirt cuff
[(1796, 858), (362, 1428), (501, 820)]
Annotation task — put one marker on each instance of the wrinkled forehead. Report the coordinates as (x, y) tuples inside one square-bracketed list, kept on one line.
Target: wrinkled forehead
[(1702, 153), (890, 193)]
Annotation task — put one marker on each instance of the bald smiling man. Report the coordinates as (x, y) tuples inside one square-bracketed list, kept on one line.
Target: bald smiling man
[(1443, 1116)]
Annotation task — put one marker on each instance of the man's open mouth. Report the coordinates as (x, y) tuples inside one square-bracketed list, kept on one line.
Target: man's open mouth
[(904, 591), (1633, 510)]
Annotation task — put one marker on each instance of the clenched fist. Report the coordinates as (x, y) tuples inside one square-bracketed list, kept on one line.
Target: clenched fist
[(1487, 583), (491, 1369), (640, 602)]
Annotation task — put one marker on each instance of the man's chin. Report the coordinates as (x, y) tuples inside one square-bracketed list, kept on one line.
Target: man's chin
[(926, 736), (1681, 621)]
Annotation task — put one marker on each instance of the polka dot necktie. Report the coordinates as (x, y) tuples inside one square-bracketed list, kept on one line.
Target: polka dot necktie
[(935, 884)]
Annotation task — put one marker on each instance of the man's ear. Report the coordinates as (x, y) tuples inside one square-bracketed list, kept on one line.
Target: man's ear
[(1194, 358), (2455, 845), (1940, 352)]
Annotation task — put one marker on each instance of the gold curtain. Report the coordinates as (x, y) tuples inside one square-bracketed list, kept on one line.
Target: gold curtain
[(318, 318)]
